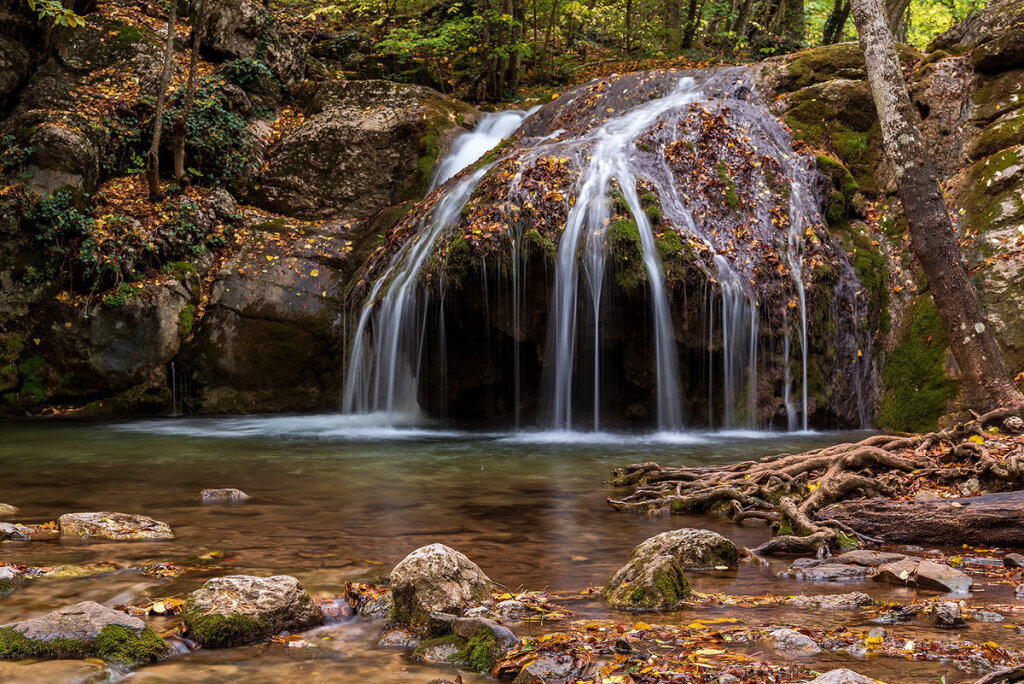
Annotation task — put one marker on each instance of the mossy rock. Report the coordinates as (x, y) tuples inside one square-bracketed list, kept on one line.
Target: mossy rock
[(916, 389), (650, 583), (827, 62), (84, 630), (1004, 132)]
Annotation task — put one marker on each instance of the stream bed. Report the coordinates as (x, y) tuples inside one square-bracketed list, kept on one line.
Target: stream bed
[(335, 499)]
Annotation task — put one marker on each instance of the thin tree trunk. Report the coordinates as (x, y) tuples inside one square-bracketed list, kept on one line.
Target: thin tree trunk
[(153, 158), (895, 11), (629, 25), (673, 25), (190, 96), (833, 32), (692, 19), (985, 379)]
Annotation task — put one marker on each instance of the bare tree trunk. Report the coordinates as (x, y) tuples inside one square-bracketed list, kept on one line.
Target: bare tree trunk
[(190, 96), (985, 380), (692, 20), (895, 10), (153, 158), (673, 25)]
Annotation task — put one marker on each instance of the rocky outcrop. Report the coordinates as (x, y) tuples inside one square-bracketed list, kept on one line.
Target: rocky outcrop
[(84, 630), (240, 609), (992, 35), (364, 146), (435, 579), (242, 29), (115, 526)]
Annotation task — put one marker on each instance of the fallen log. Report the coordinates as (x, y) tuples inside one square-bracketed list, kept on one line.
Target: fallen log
[(992, 519)]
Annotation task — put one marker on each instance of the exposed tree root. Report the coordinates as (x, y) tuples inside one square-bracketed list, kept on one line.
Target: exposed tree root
[(786, 490)]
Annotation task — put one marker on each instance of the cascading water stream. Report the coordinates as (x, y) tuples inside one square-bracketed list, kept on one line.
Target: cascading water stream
[(382, 378)]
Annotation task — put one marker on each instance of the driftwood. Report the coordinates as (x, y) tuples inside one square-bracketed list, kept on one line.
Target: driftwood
[(992, 519)]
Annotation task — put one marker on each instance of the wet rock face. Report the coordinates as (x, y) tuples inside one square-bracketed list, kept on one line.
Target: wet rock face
[(364, 146), (116, 526), (435, 579), (241, 609), (84, 630)]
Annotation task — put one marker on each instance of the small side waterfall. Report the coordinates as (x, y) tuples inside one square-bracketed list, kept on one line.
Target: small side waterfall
[(672, 181), (382, 371)]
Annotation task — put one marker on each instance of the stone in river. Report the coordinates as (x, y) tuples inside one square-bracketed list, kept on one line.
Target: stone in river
[(7, 509), (436, 579), (223, 496), (242, 609), (116, 526), (84, 630), (842, 676), (830, 572), (946, 615), (15, 532), (10, 579), (925, 574), (850, 601), (790, 641)]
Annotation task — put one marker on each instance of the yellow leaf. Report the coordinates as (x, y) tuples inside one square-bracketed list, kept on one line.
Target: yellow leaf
[(708, 652), (314, 272), (977, 439), (813, 485), (641, 626), (159, 607)]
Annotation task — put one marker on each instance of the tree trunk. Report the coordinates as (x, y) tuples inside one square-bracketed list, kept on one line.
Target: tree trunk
[(895, 12), (692, 19), (985, 380), (186, 109), (836, 21), (673, 25), (153, 158)]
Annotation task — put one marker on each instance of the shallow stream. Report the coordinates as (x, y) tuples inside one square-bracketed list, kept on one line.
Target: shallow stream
[(335, 499)]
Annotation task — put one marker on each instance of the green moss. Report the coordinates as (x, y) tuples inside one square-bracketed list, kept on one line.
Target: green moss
[(426, 645), (125, 37), (731, 198), (6, 586), (482, 651), (872, 269), (186, 320), (627, 252), (916, 388), (121, 645), (669, 243), (998, 136), (212, 630), (11, 346), (114, 643)]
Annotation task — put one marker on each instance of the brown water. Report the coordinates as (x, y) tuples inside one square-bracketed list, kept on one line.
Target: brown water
[(336, 501)]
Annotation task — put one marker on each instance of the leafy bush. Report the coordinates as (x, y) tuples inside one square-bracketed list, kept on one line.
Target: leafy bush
[(12, 155), (248, 72)]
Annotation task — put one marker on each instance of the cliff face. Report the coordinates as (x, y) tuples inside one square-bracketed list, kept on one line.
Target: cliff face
[(241, 293)]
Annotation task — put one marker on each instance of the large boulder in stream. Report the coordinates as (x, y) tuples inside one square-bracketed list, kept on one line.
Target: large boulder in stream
[(436, 579), (241, 609), (84, 630), (692, 548), (363, 146), (116, 526)]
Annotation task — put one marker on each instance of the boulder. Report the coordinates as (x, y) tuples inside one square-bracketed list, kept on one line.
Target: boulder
[(869, 558), (993, 35), (692, 548), (116, 526), (790, 641), (84, 630), (241, 609), (946, 615), (503, 637), (7, 509), (551, 669), (242, 29), (925, 574), (850, 601), (10, 579), (647, 582), (842, 676), (14, 67), (223, 496), (829, 572), (66, 149), (435, 579), (15, 532), (1013, 560), (364, 146)]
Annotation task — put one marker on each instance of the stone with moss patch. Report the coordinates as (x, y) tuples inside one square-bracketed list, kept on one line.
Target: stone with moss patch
[(647, 583), (84, 630), (241, 609), (436, 579), (10, 579)]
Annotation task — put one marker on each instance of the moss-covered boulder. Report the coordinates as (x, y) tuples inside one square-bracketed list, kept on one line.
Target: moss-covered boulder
[(473, 643), (647, 583), (241, 609), (436, 579), (364, 146), (115, 526), (84, 630), (993, 35)]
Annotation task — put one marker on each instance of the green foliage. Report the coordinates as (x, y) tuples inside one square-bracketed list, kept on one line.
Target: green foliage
[(119, 296), (13, 155), (917, 389), (247, 72), (56, 13), (114, 643)]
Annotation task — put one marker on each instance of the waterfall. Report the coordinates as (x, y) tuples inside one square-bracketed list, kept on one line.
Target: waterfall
[(724, 211), (387, 349)]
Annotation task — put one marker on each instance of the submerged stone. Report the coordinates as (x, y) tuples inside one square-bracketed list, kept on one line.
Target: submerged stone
[(850, 601), (842, 676), (65, 671), (223, 496), (84, 630), (116, 526), (436, 579), (790, 641), (241, 609), (399, 637), (7, 509), (829, 572)]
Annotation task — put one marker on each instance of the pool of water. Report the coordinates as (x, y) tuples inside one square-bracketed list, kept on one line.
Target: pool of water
[(336, 499)]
